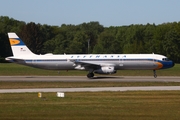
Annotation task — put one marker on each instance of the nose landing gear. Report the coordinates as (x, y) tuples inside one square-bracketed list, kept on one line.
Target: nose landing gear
[(155, 75)]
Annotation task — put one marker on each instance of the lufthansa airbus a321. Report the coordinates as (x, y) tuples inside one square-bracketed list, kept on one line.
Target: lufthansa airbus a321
[(93, 63)]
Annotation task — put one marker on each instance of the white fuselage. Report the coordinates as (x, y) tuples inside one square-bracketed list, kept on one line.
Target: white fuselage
[(119, 61)]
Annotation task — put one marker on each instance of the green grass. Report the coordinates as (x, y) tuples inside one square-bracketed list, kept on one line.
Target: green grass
[(9, 69), (139, 105)]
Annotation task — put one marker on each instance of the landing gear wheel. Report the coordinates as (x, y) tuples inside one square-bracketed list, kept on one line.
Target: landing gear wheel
[(155, 75), (90, 75)]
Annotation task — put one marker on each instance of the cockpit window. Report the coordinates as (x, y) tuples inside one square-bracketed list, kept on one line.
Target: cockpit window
[(165, 59)]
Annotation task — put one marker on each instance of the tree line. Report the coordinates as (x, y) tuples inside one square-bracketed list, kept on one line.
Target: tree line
[(92, 37)]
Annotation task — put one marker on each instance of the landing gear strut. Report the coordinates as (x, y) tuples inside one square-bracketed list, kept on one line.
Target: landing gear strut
[(90, 75), (155, 75)]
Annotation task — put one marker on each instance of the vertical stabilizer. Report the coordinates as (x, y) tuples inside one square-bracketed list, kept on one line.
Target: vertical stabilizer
[(17, 45)]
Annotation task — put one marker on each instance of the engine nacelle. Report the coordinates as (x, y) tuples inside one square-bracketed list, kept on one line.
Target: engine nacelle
[(105, 70)]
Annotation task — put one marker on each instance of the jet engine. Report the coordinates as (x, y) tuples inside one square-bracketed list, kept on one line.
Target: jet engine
[(105, 70)]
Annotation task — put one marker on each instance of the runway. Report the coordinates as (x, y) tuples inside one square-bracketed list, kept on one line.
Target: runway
[(85, 79), (92, 89), (97, 89)]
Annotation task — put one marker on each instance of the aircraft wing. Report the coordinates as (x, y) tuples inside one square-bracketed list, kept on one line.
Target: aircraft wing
[(89, 65)]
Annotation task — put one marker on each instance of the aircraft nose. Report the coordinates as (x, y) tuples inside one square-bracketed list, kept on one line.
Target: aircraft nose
[(171, 64), (168, 64)]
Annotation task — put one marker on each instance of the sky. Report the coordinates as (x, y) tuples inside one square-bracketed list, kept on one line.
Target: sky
[(106, 12)]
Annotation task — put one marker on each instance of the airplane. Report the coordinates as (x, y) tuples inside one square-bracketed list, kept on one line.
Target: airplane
[(94, 63)]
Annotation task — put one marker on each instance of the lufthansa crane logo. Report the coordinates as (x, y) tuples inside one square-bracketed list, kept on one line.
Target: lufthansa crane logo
[(14, 41)]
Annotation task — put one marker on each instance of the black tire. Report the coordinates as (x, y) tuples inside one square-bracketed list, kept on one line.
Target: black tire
[(155, 76), (90, 75)]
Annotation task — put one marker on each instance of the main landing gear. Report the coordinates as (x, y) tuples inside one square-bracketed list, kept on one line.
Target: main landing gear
[(155, 75), (90, 75)]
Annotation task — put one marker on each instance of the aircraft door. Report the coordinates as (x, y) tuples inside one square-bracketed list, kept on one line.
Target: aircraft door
[(121, 61), (154, 59)]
